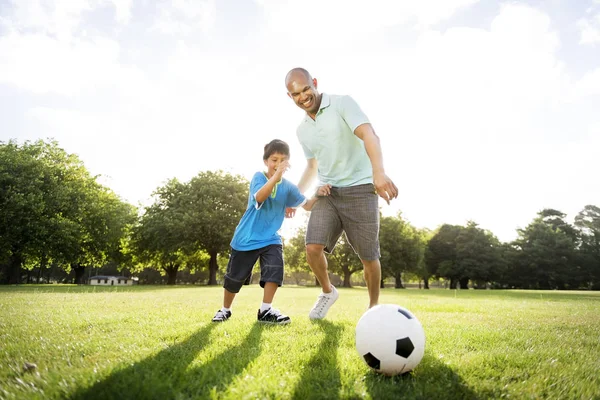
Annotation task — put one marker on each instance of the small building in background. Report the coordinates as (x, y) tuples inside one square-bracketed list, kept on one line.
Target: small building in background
[(103, 280)]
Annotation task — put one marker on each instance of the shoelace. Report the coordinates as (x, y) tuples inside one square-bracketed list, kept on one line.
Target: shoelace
[(322, 301), (274, 311)]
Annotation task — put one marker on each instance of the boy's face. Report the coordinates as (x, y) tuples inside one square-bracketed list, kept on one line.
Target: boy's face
[(273, 163)]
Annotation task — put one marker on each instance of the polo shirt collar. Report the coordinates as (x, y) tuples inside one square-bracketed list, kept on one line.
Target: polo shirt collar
[(324, 104)]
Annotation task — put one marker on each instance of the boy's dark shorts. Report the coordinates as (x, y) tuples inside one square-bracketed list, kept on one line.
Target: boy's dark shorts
[(354, 210), (241, 264)]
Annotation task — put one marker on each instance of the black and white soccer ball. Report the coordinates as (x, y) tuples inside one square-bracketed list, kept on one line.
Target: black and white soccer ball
[(390, 339)]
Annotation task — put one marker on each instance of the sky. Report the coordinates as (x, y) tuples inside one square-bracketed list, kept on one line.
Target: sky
[(487, 111)]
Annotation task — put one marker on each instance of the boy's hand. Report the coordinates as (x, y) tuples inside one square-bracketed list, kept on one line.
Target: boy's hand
[(324, 190), (284, 166)]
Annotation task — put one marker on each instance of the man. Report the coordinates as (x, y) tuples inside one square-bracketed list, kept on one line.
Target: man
[(340, 146)]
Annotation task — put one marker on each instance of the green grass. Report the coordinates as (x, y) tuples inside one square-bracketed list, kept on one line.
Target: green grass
[(159, 343)]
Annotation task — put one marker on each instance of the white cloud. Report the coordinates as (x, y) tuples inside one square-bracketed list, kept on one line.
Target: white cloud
[(122, 10), (589, 84), (346, 21), (589, 29), (60, 18), (185, 16), (42, 64)]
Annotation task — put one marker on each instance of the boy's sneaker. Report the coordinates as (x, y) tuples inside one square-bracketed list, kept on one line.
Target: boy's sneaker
[(221, 316), (273, 316), (324, 301)]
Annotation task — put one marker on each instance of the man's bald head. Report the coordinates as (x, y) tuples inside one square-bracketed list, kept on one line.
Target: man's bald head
[(296, 73), (302, 88)]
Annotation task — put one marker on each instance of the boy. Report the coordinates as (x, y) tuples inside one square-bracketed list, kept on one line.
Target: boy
[(256, 235)]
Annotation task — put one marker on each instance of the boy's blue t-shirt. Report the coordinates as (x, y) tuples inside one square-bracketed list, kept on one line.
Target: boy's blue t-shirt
[(261, 221)]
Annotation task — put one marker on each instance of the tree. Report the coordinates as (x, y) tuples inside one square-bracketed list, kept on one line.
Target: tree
[(546, 256), (53, 211), (214, 203), (344, 261), (441, 258), (478, 256), (294, 254), (588, 223), (401, 247), (159, 239)]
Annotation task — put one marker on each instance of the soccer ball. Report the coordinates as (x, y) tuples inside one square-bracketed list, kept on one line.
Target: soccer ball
[(390, 339)]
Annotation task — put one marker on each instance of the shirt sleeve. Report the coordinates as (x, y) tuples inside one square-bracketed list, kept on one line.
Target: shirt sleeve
[(294, 197), (258, 180), (351, 112)]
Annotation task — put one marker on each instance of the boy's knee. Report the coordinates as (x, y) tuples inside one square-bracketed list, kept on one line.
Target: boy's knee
[(232, 285)]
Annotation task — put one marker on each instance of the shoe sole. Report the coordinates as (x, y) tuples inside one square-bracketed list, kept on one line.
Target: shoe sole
[(275, 323)]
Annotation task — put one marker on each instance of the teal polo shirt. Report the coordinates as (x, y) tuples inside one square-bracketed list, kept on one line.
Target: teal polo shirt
[(341, 156)]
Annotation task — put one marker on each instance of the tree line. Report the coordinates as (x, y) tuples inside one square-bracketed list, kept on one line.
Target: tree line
[(57, 222)]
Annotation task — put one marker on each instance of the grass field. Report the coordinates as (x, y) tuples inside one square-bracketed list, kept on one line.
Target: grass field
[(158, 343)]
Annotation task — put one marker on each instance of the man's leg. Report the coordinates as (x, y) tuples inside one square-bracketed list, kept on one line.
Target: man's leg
[(360, 218), (315, 256), (372, 272)]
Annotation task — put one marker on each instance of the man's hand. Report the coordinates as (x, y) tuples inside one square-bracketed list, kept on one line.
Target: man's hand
[(290, 212), (385, 187)]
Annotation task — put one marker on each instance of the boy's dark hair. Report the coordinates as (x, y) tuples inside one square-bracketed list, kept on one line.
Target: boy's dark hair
[(276, 146)]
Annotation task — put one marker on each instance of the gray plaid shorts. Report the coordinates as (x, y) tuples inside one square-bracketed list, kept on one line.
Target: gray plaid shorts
[(353, 210)]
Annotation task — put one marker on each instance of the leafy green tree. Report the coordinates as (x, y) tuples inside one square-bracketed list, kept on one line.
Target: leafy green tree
[(159, 239), (344, 261), (402, 248), (422, 271), (546, 257), (441, 254), (478, 256), (213, 204), (53, 211), (294, 254), (588, 223)]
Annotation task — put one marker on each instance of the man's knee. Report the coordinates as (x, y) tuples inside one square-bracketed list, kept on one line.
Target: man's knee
[(314, 251), (371, 265)]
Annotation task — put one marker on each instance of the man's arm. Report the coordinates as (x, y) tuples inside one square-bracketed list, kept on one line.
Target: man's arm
[(383, 184), (309, 174)]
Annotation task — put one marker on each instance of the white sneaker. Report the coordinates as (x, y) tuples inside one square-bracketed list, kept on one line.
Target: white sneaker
[(324, 301)]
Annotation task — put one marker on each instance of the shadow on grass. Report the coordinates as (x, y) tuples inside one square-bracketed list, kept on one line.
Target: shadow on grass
[(168, 374), (321, 377), (432, 380)]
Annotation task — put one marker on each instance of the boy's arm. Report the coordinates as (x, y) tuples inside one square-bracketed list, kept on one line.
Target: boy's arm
[(265, 191)]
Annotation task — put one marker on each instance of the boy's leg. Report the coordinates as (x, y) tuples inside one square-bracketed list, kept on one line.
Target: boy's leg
[(269, 292), (238, 269), (228, 298), (271, 277)]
